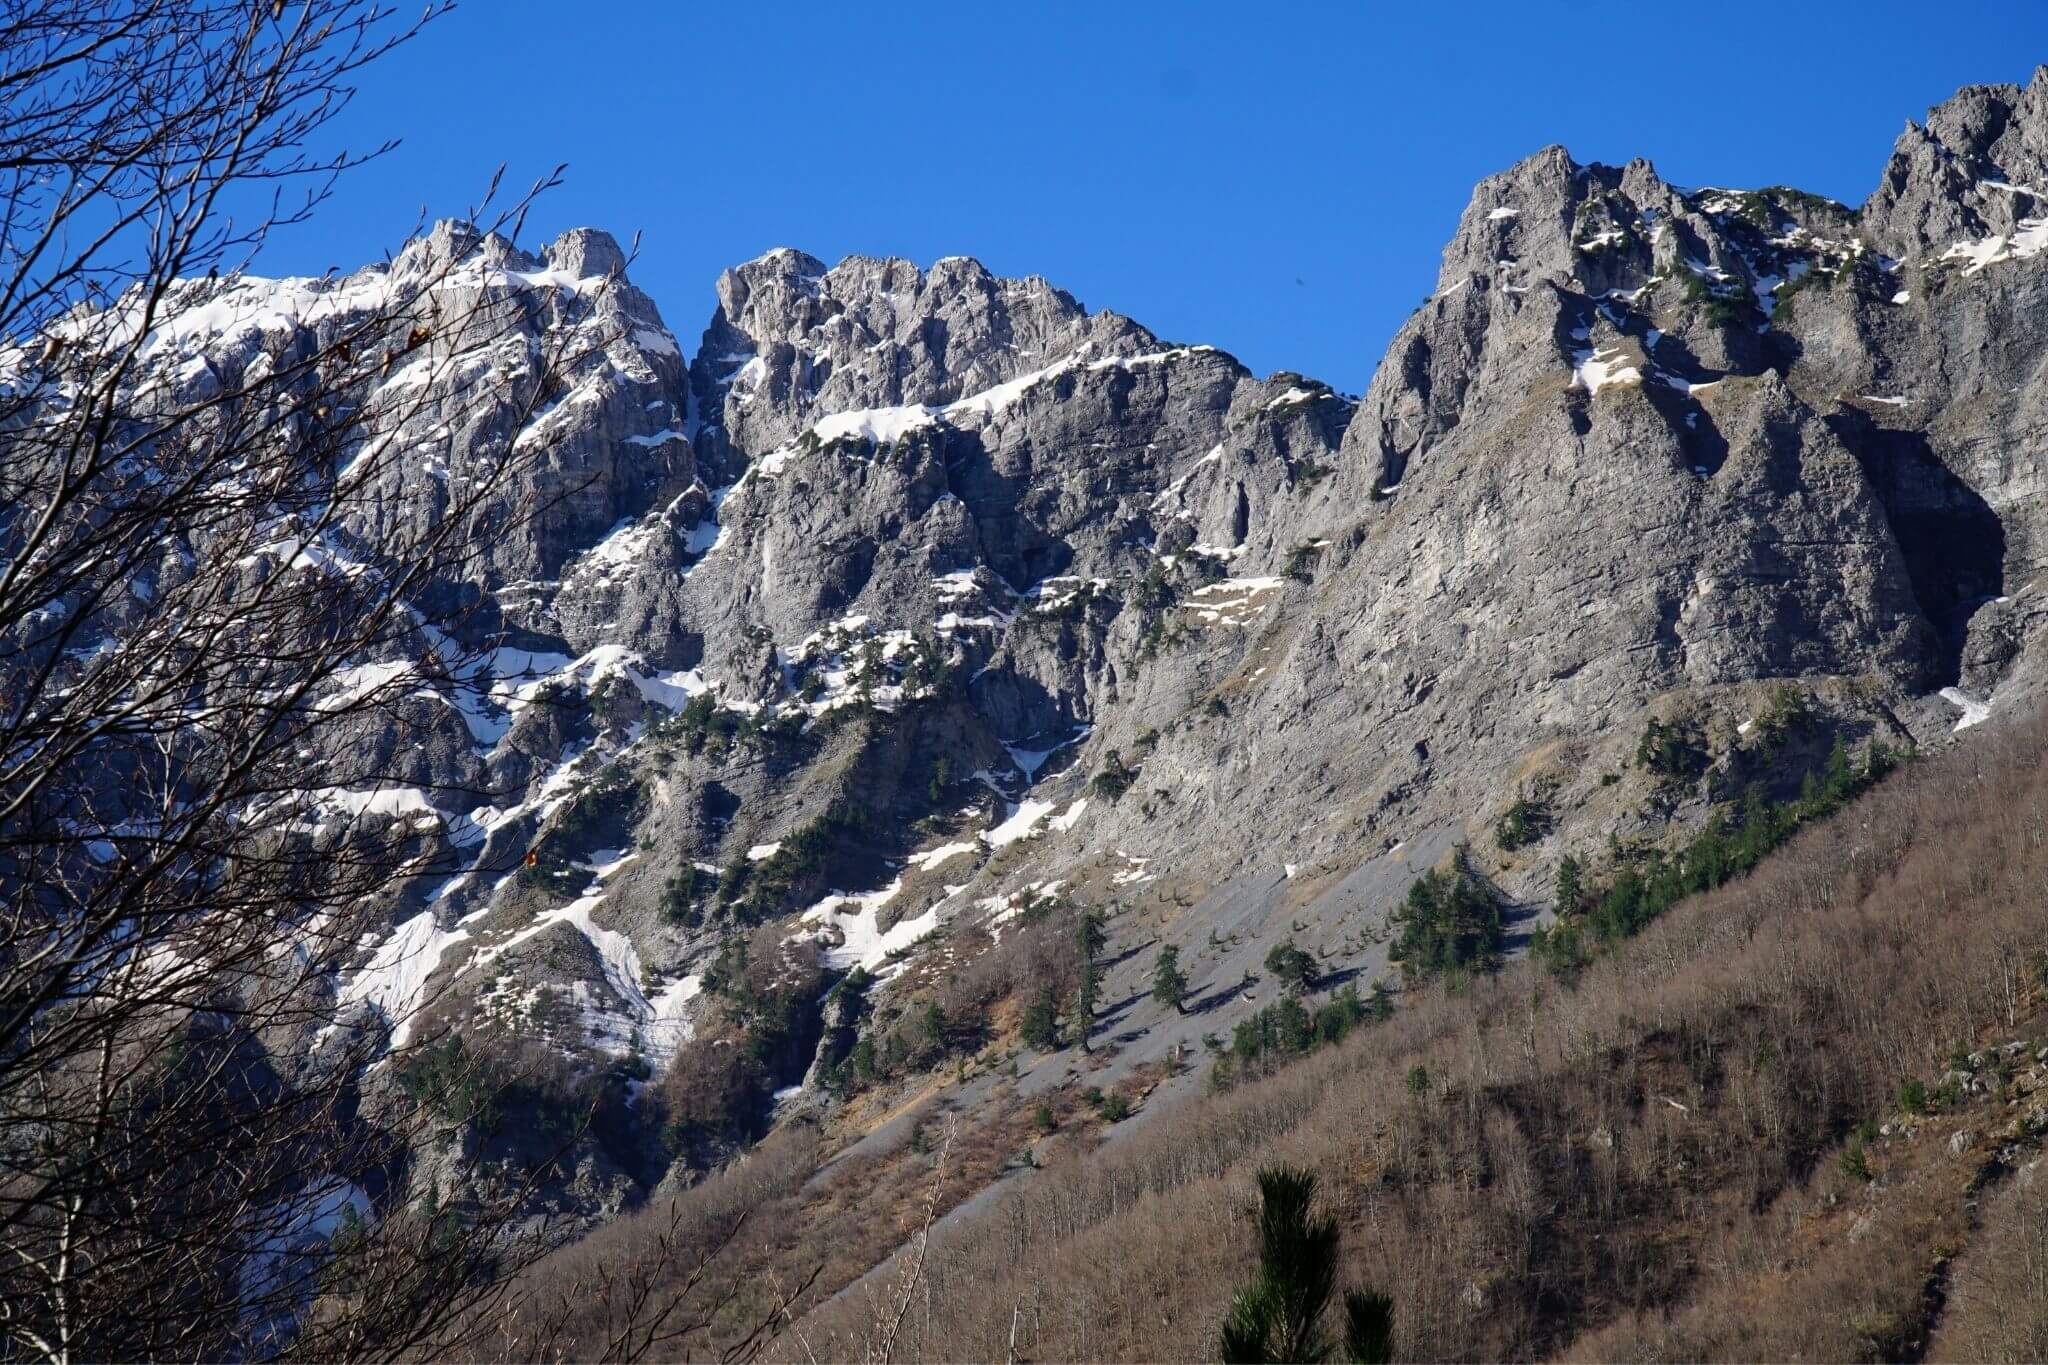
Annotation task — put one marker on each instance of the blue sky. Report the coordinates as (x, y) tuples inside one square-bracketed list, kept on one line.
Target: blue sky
[(1276, 179)]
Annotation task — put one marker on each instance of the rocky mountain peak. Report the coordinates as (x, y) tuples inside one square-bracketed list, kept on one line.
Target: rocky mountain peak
[(585, 253), (1978, 167), (447, 241), (792, 340)]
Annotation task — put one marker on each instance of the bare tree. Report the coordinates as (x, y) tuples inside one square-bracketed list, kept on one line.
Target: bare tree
[(657, 1304), (888, 1320), (221, 594)]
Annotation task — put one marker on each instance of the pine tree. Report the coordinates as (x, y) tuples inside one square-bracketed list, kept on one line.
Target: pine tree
[(1292, 1027), (1277, 1316), (1840, 774), (1169, 983), (1294, 969), (1089, 939), (1570, 886), (1041, 1022), (1084, 1008), (1449, 923), (1115, 778), (1090, 936), (935, 1027), (1368, 1327)]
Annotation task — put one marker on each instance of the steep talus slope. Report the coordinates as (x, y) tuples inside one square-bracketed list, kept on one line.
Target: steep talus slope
[(922, 601)]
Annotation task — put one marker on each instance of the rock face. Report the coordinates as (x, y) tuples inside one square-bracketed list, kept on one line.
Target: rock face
[(554, 367), (849, 612), (793, 341)]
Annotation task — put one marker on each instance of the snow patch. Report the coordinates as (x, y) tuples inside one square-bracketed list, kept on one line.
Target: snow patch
[(394, 982), (1230, 601), (1029, 761), (670, 1026), (932, 857), (883, 426), (1596, 370), (1293, 398), (1023, 820), (1069, 817), (862, 941), (1135, 873), (1974, 712), (2030, 238)]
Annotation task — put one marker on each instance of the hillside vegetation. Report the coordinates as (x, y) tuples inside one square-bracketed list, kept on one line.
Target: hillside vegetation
[(1794, 1117), (1701, 1150)]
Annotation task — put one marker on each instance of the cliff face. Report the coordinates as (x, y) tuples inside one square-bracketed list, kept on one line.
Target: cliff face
[(849, 611)]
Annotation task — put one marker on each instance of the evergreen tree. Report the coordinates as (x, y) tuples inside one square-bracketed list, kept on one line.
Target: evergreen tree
[(1840, 774), (1277, 1315), (1292, 1026), (1343, 1013), (1644, 887), (1560, 948), (1368, 1328), (1672, 751), (1089, 939), (682, 896), (1570, 886), (1449, 923), (1089, 935), (1115, 778), (1169, 983), (1041, 1022), (1526, 821), (1084, 1008), (935, 1027), (727, 975), (1291, 967)]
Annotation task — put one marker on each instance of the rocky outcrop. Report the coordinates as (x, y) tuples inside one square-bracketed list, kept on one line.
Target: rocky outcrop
[(792, 341), (1976, 169)]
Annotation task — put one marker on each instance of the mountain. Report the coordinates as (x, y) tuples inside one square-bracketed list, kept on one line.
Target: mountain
[(834, 675)]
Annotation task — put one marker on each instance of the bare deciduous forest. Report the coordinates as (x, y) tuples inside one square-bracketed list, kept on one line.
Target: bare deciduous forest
[(1648, 1166)]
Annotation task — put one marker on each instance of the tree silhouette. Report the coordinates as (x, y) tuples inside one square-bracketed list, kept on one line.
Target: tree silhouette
[(1368, 1327), (1277, 1316)]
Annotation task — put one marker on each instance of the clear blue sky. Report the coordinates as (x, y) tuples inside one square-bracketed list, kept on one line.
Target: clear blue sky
[(1273, 178)]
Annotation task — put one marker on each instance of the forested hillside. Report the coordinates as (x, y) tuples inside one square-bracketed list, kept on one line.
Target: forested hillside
[(1797, 1117)]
